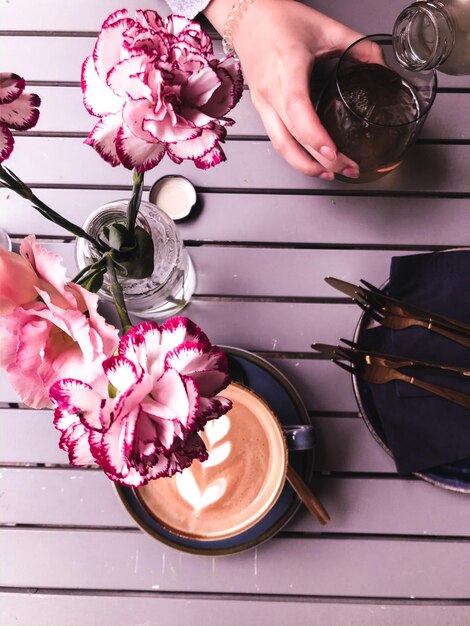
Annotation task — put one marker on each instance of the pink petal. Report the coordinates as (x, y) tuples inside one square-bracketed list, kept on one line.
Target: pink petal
[(8, 341), (117, 16), (63, 419), (108, 46), (126, 78), (94, 441), (194, 397), (157, 411), (212, 408), (201, 86), (138, 116), (146, 433), (6, 143), (74, 328), (75, 442), (98, 98), (105, 337), (103, 138), (121, 373), (230, 90), (150, 19), (48, 266), (190, 33), (117, 444), (195, 116), (132, 479), (21, 113), (136, 153), (190, 357), (11, 86), (210, 159), (206, 364), (17, 282), (61, 391), (170, 391), (195, 148), (210, 382), (155, 466), (24, 371), (185, 453), (78, 398), (133, 344), (179, 329), (142, 471), (164, 423), (143, 345)]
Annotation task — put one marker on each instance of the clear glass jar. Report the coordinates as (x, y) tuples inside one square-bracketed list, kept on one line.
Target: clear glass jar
[(173, 281), (375, 110), (434, 34)]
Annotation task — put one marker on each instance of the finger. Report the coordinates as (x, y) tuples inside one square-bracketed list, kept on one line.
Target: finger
[(302, 121), (368, 52), (340, 37), (288, 148)]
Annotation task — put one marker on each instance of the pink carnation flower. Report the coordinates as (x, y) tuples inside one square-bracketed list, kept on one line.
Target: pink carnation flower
[(158, 88), (140, 420), (18, 282), (18, 110), (49, 329)]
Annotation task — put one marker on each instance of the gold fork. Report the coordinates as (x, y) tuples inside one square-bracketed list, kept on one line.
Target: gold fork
[(379, 375), (390, 319)]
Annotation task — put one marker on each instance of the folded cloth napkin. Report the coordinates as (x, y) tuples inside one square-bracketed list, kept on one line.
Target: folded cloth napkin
[(422, 430)]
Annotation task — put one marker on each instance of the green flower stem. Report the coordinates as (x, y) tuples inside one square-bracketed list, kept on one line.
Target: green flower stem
[(98, 265), (18, 186), (117, 294), (134, 202)]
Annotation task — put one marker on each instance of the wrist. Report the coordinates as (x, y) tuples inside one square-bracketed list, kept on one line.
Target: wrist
[(217, 12), (230, 16)]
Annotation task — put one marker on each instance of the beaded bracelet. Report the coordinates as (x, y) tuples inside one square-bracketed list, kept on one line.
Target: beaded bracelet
[(231, 25)]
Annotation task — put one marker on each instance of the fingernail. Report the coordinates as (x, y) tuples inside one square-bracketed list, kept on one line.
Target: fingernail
[(350, 172), (327, 175), (328, 153)]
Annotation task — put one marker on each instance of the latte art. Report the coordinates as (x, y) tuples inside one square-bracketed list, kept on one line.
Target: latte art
[(239, 482), (190, 491), (199, 496)]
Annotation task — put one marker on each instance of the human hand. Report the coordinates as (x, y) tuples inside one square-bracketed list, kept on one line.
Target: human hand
[(278, 43)]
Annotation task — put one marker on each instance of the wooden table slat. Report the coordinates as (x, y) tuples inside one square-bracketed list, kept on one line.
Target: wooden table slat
[(49, 609), (323, 566), (77, 497), (329, 220), (344, 444), (72, 117), (49, 160)]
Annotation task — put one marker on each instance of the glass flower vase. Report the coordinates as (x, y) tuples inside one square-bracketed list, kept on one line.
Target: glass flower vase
[(173, 280)]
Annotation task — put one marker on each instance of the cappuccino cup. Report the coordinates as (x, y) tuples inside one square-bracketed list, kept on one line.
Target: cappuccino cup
[(241, 480)]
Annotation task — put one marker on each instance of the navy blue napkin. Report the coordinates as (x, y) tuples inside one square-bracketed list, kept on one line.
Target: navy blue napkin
[(422, 430)]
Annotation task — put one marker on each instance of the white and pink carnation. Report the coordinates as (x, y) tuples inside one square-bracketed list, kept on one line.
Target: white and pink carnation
[(49, 328), (158, 89), (141, 419), (18, 110)]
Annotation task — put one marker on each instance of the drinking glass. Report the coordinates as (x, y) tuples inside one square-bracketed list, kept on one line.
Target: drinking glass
[(374, 108), (173, 280)]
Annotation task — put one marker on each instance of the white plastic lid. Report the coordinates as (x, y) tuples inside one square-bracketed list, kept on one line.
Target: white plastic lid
[(175, 195), (5, 241)]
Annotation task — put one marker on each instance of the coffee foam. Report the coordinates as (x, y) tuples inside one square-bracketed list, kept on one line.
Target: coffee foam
[(239, 482)]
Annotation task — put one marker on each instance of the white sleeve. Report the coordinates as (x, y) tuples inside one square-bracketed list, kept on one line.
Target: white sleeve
[(187, 8)]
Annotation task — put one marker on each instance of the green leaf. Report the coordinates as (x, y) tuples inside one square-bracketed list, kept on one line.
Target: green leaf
[(117, 237), (93, 281), (137, 261)]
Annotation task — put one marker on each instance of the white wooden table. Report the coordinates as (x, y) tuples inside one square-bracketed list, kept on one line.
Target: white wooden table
[(397, 550)]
